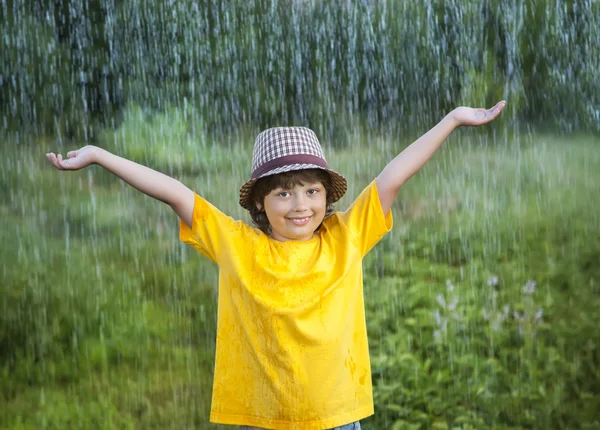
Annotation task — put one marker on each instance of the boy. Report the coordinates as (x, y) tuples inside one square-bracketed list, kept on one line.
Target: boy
[(292, 346)]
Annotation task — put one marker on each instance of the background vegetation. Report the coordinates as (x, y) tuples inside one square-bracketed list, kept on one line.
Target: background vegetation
[(483, 302), (69, 67)]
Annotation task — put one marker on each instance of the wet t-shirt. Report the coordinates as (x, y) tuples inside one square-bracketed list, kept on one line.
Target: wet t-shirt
[(291, 348)]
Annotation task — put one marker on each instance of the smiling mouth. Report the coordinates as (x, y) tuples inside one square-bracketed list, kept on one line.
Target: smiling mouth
[(300, 221)]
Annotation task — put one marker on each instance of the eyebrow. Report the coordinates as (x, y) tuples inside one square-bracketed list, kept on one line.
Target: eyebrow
[(285, 188)]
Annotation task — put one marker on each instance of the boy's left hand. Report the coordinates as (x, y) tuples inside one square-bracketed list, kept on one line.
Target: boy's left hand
[(469, 116)]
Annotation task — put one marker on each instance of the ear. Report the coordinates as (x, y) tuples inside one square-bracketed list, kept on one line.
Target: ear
[(259, 206)]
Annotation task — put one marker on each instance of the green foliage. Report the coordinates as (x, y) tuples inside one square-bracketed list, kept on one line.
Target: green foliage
[(68, 67), (40, 94), (107, 321), (54, 71), (175, 141), (459, 337)]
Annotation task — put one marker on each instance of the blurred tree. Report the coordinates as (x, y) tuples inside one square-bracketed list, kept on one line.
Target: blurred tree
[(68, 66)]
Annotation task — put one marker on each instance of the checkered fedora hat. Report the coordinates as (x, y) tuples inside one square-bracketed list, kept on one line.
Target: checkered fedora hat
[(284, 149)]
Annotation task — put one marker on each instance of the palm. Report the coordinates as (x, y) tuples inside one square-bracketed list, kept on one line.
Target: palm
[(75, 159), (470, 116)]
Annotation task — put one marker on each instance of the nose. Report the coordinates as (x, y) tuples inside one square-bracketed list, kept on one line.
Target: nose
[(300, 204)]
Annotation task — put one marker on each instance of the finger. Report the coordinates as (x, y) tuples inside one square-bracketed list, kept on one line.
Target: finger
[(52, 158), (499, 106), (493, 112), (65, 164), (72, 154), (61, 162)]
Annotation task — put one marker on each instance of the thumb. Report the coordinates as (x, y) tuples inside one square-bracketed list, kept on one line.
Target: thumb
[(65, 163), (72, 154)]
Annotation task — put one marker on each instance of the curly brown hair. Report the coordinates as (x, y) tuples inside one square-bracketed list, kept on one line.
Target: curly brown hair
[(286, 180)]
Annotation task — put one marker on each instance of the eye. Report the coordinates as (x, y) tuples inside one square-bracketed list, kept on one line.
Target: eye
[(313, 191), (282, 194)]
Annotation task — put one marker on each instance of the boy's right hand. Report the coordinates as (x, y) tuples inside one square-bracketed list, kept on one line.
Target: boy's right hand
[(75, 159), (150, 182)]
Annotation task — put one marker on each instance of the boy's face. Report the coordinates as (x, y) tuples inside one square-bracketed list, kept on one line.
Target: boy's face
[(295, 213)]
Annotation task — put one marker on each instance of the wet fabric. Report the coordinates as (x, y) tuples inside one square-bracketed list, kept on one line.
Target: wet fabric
[(352, 426), (292, 349)]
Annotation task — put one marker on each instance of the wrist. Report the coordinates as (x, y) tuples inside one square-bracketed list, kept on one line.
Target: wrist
[(99, 155), (450, 118)]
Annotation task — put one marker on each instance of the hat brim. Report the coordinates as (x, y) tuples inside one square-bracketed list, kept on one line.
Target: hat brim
[(339, 185)]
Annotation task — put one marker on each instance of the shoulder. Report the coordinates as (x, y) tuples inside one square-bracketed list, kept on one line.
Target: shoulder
[(335, 226), (208, 220), (364, 222), (367, 200)]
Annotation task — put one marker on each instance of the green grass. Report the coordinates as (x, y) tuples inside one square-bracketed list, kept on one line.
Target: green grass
[(107, 321)]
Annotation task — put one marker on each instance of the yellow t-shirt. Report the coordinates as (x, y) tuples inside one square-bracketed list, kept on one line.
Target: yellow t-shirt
[(292, 349)]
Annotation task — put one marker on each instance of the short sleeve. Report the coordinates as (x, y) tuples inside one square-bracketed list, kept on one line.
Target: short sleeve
[(212, 232), (364, 220)]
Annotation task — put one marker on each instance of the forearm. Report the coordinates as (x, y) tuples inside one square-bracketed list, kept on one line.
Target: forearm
[(150, 182), (410, 161)]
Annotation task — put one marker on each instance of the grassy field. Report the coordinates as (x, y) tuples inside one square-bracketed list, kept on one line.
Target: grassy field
[(482, 303)]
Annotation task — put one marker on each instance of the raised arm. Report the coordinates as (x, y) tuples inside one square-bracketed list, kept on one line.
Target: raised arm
[(409, 161), (148, 181)]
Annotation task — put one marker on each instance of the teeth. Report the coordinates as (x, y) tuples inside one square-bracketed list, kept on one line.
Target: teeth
[(299, 220)]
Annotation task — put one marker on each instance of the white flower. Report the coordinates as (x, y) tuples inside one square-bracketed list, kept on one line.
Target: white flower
[(449, 285), (492, 281), (529, 287), (441, 301), (453, 303)]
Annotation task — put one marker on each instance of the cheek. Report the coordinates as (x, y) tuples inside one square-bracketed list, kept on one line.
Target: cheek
[(323, 203), (274, 209)]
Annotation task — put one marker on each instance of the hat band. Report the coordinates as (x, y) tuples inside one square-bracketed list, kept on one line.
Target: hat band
[(286, 161)]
